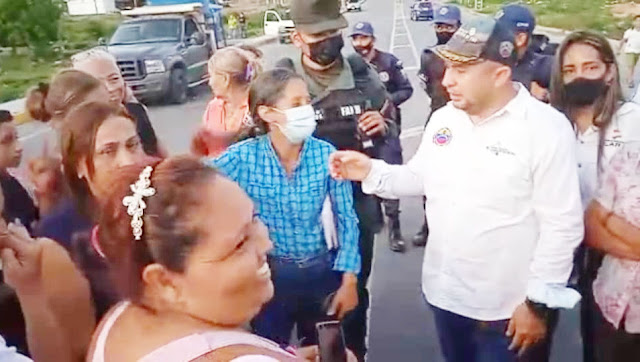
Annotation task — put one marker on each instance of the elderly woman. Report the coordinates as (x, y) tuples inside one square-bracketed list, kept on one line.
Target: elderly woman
[(104, 67)]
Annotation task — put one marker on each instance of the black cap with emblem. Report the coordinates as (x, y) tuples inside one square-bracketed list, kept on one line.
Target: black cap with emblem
[(481, 38), (317, 16)]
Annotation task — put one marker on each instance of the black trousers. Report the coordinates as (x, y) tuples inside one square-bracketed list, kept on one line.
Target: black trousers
[(613, 345), (587, 262), (355, 323), (391, 208)]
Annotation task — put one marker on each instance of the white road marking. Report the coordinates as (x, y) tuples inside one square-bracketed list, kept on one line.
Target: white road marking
[(34, 134), (411, 132), (399, 20)]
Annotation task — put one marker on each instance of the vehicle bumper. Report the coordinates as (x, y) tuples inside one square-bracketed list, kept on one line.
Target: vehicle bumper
[(152, 86), (285, 35), (424, 14)]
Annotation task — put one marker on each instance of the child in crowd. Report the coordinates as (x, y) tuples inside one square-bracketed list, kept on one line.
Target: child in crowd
[(231, 72)]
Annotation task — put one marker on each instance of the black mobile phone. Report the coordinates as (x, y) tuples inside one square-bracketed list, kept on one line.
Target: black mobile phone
[(331, 342)]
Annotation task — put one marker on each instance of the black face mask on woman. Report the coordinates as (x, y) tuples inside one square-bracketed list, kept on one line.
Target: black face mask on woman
[(326, 51), (583, 91)]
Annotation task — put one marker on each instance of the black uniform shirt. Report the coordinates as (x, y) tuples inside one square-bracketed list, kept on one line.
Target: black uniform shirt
[(431, 74), (534, 67), (391, 73)]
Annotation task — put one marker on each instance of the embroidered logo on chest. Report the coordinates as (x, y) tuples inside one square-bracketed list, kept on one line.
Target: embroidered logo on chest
[(442, 137), (497, 149), (384, 76)]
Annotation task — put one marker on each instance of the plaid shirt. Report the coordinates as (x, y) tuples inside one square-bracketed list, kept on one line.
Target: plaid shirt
[(291, 205)]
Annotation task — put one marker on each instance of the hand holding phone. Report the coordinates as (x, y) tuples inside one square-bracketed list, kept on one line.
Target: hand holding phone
[(331, 343)]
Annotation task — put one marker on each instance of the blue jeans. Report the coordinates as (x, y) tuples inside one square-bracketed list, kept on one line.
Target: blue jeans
[(464, 339), (302, 287)]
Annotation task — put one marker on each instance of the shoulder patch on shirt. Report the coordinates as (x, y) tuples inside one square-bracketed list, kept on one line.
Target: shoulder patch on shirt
[(442, 137)]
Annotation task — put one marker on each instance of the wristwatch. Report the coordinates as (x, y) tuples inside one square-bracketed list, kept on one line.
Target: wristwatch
[(539, 309)]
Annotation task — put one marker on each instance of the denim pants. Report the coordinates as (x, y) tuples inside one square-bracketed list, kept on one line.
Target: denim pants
[(464, 339), (302, 287)]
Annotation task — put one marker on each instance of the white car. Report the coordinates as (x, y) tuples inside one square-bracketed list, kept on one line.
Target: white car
[(278, 24), (354, 5)]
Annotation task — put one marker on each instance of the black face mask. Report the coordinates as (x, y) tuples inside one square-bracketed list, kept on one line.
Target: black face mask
[(326, 51), (364, 51), (584, 92), (444, 36)]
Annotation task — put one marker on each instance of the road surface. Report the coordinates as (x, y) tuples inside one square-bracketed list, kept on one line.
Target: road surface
[(401, 325)]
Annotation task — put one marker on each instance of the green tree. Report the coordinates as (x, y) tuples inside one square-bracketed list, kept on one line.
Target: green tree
[(31, 23)]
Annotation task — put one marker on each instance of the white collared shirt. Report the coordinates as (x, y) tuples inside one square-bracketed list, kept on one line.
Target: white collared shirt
[(503, 203), (9, 354), (624, 127)]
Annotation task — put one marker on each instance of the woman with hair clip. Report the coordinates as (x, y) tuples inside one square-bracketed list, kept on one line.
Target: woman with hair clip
[(285, 172), (586, 87), (189, 256), (231, 71)]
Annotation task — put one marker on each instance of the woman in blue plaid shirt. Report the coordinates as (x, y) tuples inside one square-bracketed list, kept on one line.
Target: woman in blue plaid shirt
[(285, 172)]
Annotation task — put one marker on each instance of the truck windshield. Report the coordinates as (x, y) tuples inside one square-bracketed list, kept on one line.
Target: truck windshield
[(149, 31)]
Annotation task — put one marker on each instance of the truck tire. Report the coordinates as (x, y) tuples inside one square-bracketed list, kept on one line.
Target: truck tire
[(178, 86)]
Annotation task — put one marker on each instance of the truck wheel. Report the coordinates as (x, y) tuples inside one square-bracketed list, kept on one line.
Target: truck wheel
[(178, 86)]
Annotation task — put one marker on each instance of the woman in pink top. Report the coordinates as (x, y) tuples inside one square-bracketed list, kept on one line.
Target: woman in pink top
[(189, 254), (231, 72), (613, 226)]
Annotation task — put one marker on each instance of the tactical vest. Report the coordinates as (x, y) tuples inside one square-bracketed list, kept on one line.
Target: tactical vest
[(337, 116), (338, 110)]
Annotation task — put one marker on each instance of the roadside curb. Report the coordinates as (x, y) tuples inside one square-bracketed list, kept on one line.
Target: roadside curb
[(261, 40), (17, 109), (21, 116), (539, 28)]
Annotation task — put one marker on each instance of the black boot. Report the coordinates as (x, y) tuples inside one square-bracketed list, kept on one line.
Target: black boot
[(421, 237), (396, 242)]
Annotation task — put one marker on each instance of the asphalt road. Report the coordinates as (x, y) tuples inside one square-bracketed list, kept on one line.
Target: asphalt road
[(401, 324)]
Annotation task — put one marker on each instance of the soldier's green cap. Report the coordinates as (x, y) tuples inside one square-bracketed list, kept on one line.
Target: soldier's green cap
[(317, 16)]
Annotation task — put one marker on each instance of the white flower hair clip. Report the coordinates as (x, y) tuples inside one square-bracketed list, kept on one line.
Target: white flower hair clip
[(135, 204)]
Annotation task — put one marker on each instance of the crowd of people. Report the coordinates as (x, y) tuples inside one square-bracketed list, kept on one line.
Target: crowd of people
[(529, 166)]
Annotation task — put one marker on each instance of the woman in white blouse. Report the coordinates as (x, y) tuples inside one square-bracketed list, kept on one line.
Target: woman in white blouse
[(586, 87)]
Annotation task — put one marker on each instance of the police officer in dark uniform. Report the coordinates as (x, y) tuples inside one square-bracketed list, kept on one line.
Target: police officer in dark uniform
[(446, 21), (391, 73), (353, 113), (533, 69)]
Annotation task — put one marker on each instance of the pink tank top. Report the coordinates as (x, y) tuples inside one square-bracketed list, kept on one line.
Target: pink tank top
[(190, 347)]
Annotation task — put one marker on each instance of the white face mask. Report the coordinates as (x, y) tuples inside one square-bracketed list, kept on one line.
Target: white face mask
[(301, 123)]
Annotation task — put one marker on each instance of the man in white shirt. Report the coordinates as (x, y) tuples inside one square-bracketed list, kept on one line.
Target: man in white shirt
[(499, 172)]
